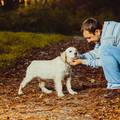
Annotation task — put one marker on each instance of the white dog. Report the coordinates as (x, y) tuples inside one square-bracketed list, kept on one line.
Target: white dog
[(56, 69)]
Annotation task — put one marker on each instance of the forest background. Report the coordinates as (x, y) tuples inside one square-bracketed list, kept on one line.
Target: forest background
[(54, 16)]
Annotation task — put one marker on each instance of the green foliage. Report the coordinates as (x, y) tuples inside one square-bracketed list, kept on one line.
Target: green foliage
[(58, 16), (16, 45)]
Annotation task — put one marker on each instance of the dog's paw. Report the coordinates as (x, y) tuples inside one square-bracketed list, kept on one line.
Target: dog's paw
[(45, 90), (20, 93), (48, 91), (73, 93), (61, 95)]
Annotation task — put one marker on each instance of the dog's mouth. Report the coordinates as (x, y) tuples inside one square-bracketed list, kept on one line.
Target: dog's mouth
[(74, 58)]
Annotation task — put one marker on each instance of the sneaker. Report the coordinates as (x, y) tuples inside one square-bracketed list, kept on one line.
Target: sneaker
[(112, 93)]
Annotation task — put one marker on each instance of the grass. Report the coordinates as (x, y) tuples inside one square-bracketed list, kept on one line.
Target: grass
[(16, 45)]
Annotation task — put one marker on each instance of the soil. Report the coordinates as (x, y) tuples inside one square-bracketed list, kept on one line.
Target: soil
[(88, 104)]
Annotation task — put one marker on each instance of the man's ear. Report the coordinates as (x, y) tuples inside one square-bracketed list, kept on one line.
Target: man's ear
[(63, 56), (98, 32)]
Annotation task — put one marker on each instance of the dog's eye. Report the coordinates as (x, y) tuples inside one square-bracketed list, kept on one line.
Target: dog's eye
[(70, 51)]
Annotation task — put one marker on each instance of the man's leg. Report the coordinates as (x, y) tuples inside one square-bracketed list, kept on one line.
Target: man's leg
[(110, 60)]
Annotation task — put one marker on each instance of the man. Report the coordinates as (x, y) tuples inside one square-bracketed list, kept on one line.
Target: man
[(106, 52)]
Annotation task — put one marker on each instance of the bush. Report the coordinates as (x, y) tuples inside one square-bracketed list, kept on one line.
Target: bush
[(16, 45)]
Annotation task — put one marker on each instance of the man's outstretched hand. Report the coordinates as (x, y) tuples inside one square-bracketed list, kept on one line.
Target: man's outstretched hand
[(76, 62)]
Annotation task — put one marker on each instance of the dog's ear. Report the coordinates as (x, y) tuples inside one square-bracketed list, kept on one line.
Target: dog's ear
[(63, 56)]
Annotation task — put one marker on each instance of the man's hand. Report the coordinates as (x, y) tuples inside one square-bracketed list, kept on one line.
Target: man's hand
[(76, 62)]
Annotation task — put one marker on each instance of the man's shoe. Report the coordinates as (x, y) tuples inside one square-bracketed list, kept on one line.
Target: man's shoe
[(111, 94)]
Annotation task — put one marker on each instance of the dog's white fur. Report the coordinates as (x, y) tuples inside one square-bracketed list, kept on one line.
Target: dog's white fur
[(55, 69)]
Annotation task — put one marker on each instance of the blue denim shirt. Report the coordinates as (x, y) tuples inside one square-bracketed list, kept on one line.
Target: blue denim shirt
[(110, 36)]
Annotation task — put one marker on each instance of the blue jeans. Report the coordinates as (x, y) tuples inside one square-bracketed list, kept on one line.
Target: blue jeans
[(110, 60)]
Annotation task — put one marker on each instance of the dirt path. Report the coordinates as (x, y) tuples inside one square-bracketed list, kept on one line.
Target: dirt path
[(89, 104)]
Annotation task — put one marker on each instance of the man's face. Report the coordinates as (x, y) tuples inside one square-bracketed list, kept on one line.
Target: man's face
[(90, 37)]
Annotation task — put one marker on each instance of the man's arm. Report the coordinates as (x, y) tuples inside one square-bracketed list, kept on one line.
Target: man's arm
[(90, 58)]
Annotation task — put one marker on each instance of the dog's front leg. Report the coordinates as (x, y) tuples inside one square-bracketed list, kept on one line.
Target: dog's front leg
[(68, 84), (58, 86)]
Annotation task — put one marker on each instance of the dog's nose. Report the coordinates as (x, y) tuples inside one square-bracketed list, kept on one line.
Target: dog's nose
[(75, 54)]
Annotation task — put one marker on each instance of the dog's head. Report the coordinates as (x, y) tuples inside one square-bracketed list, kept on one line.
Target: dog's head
[(69, 54)]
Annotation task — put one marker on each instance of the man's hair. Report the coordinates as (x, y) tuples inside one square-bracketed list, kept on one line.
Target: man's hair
[(91, 24)]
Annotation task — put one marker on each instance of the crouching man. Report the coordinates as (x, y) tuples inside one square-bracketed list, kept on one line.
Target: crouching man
[(106, 52)]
